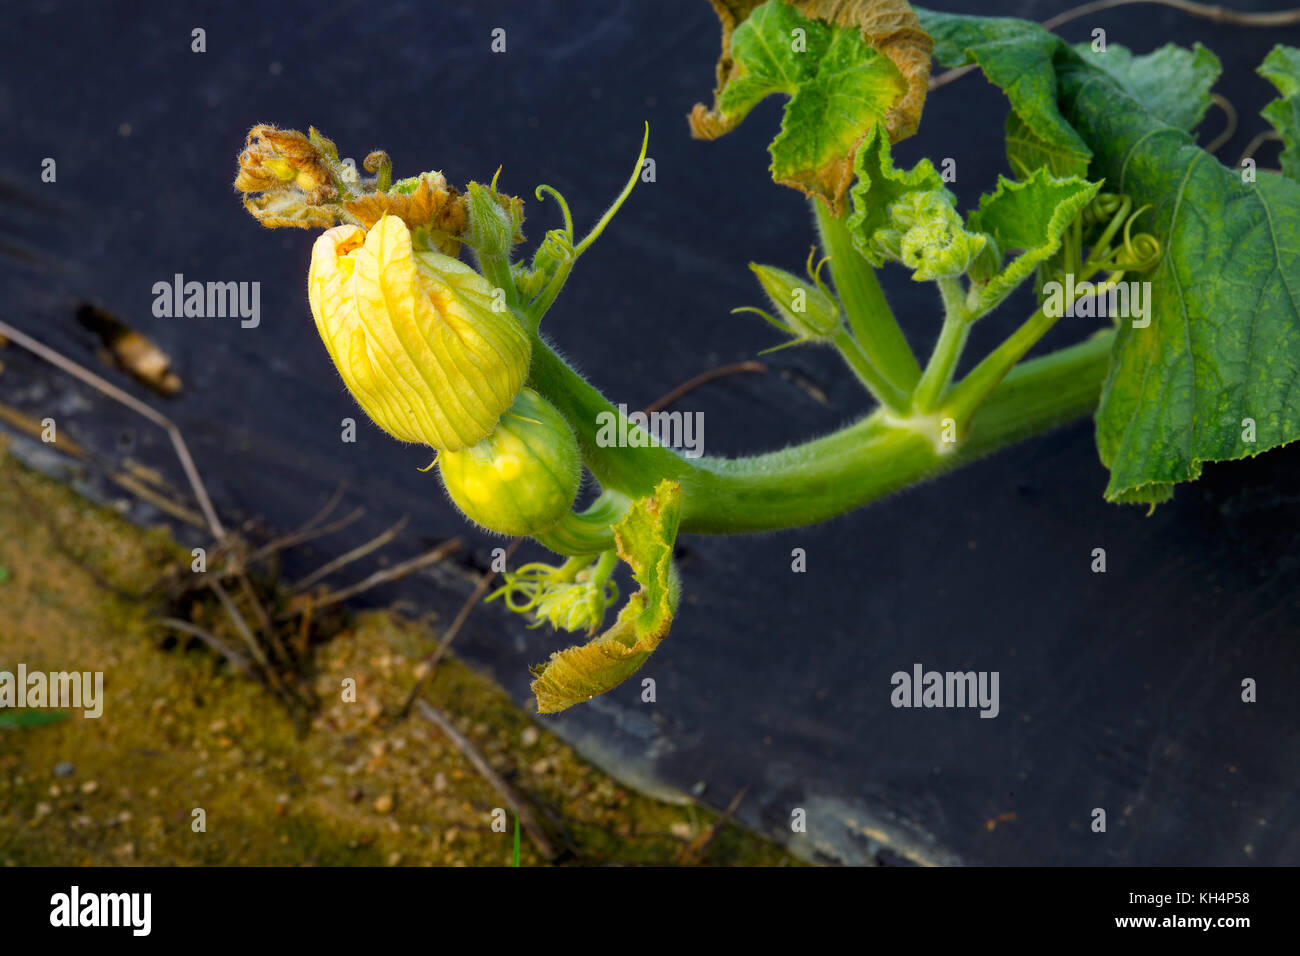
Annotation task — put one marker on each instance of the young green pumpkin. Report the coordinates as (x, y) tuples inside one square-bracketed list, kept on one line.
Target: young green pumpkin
[(522, 478)]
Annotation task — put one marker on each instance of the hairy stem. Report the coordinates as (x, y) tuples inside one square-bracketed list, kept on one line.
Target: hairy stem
[(965, 399), (947, 352), (869, 315), (881, 388), (833, 475)]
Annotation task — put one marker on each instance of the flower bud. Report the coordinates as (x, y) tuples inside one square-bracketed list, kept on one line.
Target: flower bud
[(495, 220), (417, 336), (808, 311), (523, 477), (554, 253), (928, 235)]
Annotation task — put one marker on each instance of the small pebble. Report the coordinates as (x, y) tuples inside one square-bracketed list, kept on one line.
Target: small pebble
[(384, 804), (529, 736), (90, 786), (64, 768)]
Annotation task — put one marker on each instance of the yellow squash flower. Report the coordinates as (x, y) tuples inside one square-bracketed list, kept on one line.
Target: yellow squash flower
[(422, 341)]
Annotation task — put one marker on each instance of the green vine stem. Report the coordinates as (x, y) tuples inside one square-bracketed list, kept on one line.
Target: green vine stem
[(588, 532), (881, 388), (948, 351), (965, 399), (833, 475), (869, 315)]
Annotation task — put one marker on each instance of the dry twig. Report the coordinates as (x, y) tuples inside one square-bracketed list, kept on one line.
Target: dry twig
[(237, 660), (58, 360), (693, 852), (689, 386), (508, 794), (381, 577), (429, 665), (354, 555)]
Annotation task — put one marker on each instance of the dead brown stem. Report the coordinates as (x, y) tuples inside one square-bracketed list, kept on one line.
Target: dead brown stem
[(381, 577), (429, 665), (354, 555), (508, 794)]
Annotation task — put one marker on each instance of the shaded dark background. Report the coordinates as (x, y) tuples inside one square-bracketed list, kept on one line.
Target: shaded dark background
[(1119, 690)]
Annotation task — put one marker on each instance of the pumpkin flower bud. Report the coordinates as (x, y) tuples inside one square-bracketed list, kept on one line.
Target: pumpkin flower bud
[(927, 234), (523, 477), (495, 220), (806, 311), (418, 337)]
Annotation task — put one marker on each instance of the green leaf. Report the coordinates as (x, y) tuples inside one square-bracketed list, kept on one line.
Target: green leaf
[(1019, 57), (879, 186), (644, 538), (1173, 83), (839, 87), (1030, 216), (1282, 68), (1023, 60), (1026, 151), (1223, 343)]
